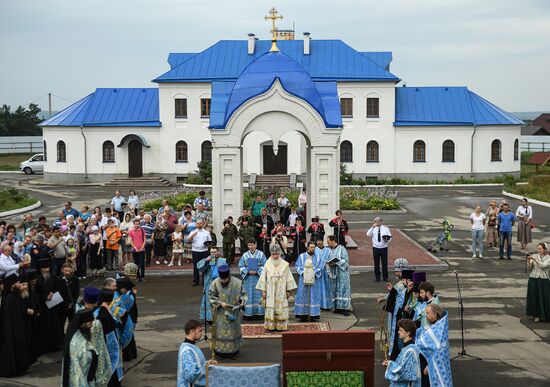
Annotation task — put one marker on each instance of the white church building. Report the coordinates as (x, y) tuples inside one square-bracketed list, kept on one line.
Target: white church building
[(281, 107)]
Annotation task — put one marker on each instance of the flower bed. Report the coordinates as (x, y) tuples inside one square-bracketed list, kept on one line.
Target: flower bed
[(356, 198), (12, 199)]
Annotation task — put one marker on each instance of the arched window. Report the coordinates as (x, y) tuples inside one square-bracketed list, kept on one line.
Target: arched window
[(206, 151), (346, 152), (419, 151), (61, 152), (181, 152), (496, 150), (108, 152), (448, 151), (516, 149), (372, 152), (45, 152)]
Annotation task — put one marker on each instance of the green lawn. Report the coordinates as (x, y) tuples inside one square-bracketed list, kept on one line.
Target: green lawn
[(10, 162), (11, 199)]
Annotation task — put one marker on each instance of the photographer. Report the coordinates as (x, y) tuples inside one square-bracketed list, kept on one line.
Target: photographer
[(538, 286), (280, 239), (230, 233), (200, 241)]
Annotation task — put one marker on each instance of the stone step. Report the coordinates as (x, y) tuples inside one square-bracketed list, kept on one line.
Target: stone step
[(272, 181), (146, 181)]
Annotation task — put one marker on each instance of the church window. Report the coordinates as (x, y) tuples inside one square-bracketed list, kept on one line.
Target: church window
[(45, 152), (448, 151), (206, 151), (181, 107), (181, 152), (373, 107), (346, 152), (346, 107), (516, 149), (61, 152), (496, 150), (108, 152), (205, 107), (419, 151), (372, 152)]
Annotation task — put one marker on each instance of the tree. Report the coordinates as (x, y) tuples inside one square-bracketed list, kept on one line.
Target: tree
[(21, 122)]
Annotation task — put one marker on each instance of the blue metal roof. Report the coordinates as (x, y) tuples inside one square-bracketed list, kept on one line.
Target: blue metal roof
[(258, 78), (446, 106), (175, 59), (381, 58), (329, 60), (111, 107)]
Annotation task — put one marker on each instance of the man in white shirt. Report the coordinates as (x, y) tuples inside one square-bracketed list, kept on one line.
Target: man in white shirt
[(381, 236), (7, 263), (200, 242), (117, 205)]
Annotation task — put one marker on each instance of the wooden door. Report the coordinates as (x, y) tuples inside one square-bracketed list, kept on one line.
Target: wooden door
[(135, 162), (275, 165)]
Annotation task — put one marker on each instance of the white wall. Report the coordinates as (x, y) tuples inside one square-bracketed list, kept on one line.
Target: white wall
[(482, 149), (359, 130), (193, 129)]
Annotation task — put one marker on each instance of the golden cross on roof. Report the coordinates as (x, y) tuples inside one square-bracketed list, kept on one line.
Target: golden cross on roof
[(273, 16)]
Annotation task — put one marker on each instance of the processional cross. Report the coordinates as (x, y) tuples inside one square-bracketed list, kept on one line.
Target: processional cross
[(273, 16)]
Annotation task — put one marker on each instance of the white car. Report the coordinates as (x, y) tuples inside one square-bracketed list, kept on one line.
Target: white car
[(33, 165)]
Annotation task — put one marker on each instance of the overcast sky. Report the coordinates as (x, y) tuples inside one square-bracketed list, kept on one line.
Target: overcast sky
[(500, 49)]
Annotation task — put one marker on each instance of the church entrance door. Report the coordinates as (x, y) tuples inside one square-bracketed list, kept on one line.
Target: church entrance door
[(135, 162), (275, 164)]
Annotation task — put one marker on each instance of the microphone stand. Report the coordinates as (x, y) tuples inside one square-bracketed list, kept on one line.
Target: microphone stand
[(461, 304)]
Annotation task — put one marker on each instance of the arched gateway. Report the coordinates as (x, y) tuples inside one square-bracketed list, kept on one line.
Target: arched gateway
[(275, 110)]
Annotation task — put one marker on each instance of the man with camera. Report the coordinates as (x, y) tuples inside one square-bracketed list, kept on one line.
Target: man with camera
[(200, 241), (381, 236)]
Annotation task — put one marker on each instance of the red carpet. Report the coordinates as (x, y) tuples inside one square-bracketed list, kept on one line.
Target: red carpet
[(257, 331)]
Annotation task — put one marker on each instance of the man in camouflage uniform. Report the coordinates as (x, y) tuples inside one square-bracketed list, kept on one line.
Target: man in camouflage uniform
[(230, 234)]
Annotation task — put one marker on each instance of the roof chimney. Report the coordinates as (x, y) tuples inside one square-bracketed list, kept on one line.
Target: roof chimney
[(307, 40), (251, 43)]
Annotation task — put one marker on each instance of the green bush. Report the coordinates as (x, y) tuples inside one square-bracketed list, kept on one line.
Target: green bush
[(177, 198), (11, 199), (203, 175), (535, 189)]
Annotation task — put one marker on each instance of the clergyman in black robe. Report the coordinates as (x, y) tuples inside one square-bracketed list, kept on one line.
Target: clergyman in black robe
[(13, 342), (50, 329)]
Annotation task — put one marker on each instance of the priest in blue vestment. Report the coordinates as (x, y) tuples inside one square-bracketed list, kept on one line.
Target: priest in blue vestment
[(405, 370), (251, 266), (340, 278), (325, 289), (209, 267), (308, 296)]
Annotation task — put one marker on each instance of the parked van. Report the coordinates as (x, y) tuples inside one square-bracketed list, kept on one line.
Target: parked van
[(33, 165)]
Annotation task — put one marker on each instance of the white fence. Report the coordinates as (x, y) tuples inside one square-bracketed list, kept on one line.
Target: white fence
[(21, 144)]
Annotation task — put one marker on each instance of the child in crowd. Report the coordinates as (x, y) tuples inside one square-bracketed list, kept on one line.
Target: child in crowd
[(177, 245), (71, 251)]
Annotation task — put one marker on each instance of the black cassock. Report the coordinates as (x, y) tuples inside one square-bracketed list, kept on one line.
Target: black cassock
[(30, 323), (50, 331), (14, 356), (130, 352)]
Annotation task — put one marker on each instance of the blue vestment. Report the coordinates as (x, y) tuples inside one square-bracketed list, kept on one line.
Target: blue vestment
[(400, 299), (405, 370), (207, 267), (433, 343), (324, 283), (253, 305), (114, 349), (308, 296), (340, 280), (191, 362)]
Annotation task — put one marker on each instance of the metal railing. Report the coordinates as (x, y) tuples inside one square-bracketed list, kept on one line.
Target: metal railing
[(535, 146)]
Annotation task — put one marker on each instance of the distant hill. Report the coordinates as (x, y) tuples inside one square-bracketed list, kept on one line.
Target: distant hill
[(44, 115), (527, 116)]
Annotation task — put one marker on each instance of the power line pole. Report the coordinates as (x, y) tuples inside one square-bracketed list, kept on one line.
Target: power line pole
[(50, 104)]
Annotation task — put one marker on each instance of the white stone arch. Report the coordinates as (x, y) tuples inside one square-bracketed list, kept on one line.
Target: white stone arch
[(275, 113)]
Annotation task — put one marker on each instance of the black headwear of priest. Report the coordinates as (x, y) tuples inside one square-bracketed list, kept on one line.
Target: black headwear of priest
[(106, 295), (9, 281), (24, 277), (223, 271), (124, 283), (85, 316), (33, 274), (407, 274), (44, 263)]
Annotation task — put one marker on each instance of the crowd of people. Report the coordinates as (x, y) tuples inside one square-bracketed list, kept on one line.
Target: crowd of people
[(42, 264), (496, 224), (41, 312)]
